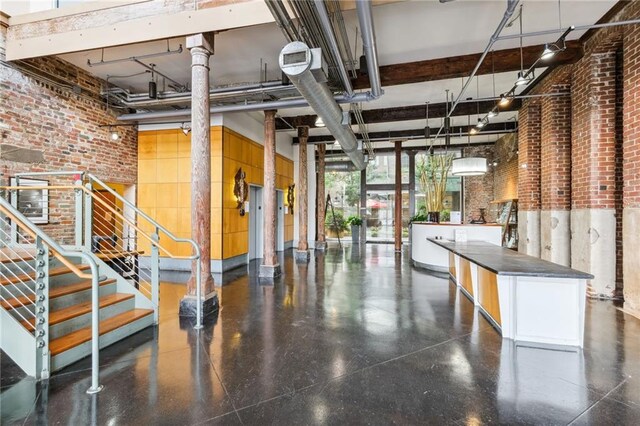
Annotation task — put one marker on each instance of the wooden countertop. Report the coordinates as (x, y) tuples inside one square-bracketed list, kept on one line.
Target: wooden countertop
[(503, 261)]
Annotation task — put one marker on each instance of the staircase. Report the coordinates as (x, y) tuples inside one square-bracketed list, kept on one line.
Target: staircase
[(69, 308), (61, 303)]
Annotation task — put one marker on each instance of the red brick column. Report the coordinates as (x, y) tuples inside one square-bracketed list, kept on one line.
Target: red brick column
[(631, 168), (555, 174), (529, 128), (593, 170)]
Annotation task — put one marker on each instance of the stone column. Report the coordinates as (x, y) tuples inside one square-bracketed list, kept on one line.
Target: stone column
[(270, 267), (529, 179), (201, 48), (397, 216), (302, 253), (321, 242), (555, 172)]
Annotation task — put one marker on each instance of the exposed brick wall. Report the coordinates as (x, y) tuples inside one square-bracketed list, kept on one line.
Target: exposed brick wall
[(555, 144), (478, 190), (631, 106), (505, 174), (64, 125), (529, 156), (619, 171)]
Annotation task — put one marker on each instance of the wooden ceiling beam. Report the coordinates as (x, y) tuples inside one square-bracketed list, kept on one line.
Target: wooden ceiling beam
[(456, 131), (505, 60), (406, 113)]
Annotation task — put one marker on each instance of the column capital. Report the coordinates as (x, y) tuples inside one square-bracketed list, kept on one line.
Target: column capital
[(202, 40), (303, 132)]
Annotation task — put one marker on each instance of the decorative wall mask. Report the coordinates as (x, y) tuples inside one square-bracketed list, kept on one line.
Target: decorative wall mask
[(241, 190), (291, 196)]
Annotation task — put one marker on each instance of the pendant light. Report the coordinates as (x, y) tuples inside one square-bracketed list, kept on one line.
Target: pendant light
[(470, 166), (319, 122)]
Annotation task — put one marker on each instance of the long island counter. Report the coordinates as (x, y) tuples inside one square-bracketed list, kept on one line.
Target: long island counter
[(428, 255), (526, 298)]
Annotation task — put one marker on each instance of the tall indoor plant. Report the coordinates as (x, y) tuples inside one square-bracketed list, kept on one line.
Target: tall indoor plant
[(433, 172)]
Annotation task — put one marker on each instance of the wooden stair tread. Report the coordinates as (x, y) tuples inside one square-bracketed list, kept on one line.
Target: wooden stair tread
[(73, 311), (16, 302), (83, 335), (60, 270)]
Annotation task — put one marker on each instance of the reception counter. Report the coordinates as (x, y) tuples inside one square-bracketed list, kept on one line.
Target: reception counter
[(428, 255), (526, 298)]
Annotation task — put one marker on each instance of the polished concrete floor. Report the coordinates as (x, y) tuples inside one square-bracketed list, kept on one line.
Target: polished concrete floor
[(357, 336)]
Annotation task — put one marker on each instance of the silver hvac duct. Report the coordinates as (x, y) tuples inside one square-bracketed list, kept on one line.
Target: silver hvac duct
[(304, 67), (365, 17)]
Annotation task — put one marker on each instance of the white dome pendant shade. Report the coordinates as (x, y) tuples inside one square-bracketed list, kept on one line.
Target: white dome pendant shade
[(469, 166)]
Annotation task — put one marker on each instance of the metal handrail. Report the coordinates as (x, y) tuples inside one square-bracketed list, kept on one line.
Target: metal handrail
[(61, 254), (197, 256)]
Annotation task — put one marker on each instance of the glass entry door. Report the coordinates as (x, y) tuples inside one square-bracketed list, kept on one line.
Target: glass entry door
[(380, 215)]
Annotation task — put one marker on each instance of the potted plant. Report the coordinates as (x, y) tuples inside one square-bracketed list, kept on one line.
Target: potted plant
[(433, 172), (356, 223), (335, 225)]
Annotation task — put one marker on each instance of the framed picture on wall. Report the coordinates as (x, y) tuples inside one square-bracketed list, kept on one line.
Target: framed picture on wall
[(33, 203)]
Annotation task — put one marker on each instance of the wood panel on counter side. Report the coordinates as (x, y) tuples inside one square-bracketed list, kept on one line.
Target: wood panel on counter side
[(465, 276), (488, 293)]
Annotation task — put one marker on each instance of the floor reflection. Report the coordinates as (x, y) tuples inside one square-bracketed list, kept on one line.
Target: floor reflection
[(355, 336)]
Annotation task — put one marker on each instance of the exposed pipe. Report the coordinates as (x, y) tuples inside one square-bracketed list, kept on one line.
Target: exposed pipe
[(152, 69), (258, 106), (365, 17), (327, 28), (296, 61), (131, 58)]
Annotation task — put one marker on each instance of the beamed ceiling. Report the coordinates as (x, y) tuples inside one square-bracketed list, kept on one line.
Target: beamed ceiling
[(424, 48)]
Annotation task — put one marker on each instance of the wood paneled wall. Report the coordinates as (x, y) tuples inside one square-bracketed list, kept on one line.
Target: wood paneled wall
[(164, 186)]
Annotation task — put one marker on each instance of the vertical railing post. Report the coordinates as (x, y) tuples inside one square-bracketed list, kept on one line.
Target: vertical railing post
[(79, 217), (88, 218), (42, 310), (155, 274), (95, 329), (14, 204)]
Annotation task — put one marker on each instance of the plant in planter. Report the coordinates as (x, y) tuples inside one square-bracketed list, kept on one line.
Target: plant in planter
[(433, 171), (356, 223), (335, 225)]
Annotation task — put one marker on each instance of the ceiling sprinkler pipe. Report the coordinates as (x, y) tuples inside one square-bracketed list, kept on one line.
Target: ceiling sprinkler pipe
[(304, 68)]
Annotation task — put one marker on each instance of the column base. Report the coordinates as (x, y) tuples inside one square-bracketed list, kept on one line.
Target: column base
[(189, 305), (321, 245), (302, 256), (270, 272)]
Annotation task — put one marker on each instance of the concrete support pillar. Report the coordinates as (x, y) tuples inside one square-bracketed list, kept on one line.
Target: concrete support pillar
[(593, 171), (397, 215), (555, 172), (631, 171), (270, 267), (302, 253), (201, 48), (321, 241), (529, 178)]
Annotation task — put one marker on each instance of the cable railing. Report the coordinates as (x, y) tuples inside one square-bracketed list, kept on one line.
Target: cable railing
[(129, 240), (25, 288)]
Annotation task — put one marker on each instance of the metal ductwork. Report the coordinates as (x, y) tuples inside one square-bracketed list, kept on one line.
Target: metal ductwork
[(307, 72), (365, 17)]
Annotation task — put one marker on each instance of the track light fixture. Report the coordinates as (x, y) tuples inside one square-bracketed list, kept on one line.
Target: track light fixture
[(482, 122), (524, 78), (473, 131), (549, 51), (505, 99), (319, 122), (492, 113), (186, 128)]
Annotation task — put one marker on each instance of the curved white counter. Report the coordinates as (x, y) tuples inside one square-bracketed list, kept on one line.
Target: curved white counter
[(427, 255)]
